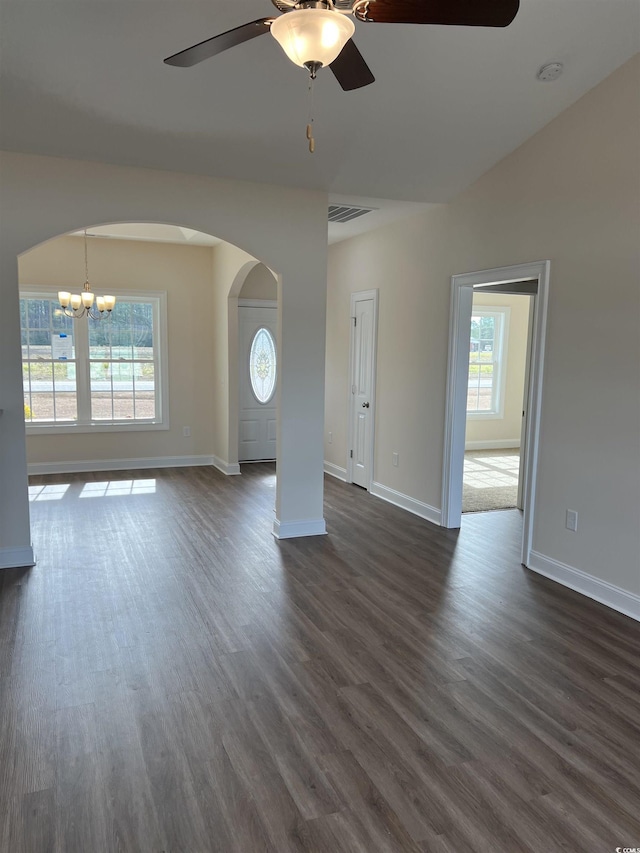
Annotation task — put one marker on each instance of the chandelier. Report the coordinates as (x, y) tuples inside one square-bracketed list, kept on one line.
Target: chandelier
[(77, 305)]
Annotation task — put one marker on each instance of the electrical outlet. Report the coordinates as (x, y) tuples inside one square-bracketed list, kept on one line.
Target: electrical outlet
[(395, 459), (186, 432), (330, 438), (572, 520)]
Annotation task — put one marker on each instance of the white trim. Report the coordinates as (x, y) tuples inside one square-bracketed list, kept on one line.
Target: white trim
[(229, 468), (295, 529), (416, 507), (599, 590), (158, 300), (60, 428), (502, 317), (257, 303), (16, 558), (335, 471), (455, 420), (84, 465), (493, 444), (358, 296)]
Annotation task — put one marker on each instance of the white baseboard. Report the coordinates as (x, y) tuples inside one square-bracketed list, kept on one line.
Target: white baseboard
[(16, 558), (80, 466), (599, 590), (225, 467), (430, 513), (495, 444), (335, 471), (294, 529)]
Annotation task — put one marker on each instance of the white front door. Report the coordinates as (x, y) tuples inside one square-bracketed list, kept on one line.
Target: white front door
[(363, 313), (258, 375)]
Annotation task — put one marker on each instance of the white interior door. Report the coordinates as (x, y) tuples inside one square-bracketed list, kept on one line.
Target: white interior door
[(363, 339), (258, 375)]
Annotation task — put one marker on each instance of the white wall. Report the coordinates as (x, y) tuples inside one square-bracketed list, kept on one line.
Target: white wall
[(259, 284), (184, 273), (230, 268), (570, 194), (506, 428), (43, 197)]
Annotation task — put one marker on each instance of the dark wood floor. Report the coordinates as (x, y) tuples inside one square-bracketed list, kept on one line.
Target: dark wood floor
[(172, 678)]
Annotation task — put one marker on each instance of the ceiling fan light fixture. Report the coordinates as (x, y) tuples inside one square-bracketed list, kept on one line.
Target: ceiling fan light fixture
[(312, 36)]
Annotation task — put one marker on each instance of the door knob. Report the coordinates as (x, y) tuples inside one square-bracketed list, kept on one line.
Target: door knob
[(365, 405)]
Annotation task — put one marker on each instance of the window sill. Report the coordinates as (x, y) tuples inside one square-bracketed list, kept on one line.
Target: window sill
[(485, 416), (76, 429)]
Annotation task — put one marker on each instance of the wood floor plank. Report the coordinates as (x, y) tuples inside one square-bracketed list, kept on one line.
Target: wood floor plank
[(383, 826), (81, 814), (186, 683)]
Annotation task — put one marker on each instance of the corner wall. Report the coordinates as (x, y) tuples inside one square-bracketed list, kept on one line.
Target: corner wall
[(230, 268), (570, 194)]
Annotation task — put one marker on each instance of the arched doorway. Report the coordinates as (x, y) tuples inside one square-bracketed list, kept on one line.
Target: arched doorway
[(48, 197), (252, 305)]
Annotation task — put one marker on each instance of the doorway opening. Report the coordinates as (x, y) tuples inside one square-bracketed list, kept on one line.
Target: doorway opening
[(532, 281), (495, 433), (258, 366)]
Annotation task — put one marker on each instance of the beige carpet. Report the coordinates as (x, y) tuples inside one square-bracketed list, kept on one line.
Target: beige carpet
[(490, 480)]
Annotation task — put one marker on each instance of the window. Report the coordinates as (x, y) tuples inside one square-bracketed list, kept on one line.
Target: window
[(86, 375), (487, 354), (262, 365)]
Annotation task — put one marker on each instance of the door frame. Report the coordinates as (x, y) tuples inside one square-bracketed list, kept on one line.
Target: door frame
[(242, 360), (356, 296), (522, 470), (457, 369)]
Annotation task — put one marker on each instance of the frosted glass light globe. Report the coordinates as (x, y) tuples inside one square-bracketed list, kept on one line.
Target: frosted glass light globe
[(312, 35)]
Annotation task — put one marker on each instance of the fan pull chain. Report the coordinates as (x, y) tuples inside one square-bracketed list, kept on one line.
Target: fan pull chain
[(312, 142)]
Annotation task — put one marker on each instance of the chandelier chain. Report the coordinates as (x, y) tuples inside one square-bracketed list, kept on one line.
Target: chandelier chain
[(86, 259)]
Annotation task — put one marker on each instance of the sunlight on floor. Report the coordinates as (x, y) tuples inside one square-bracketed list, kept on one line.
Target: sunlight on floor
[(480, 473), (490, 480), (118, 487), (48, 493)]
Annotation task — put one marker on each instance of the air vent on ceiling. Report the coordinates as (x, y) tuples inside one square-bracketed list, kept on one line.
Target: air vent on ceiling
[(345, 213)]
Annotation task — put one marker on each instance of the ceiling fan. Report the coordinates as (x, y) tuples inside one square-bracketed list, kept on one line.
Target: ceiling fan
[(317, 33)]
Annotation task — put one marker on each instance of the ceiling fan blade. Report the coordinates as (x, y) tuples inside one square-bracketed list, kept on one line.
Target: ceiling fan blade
[(206, 49), (350, 69), (464, 13)]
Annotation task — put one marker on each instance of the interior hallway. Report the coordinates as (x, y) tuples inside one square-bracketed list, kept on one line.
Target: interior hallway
[(172, 678)]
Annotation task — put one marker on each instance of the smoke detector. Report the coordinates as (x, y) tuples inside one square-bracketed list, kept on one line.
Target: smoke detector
[(549, 72)]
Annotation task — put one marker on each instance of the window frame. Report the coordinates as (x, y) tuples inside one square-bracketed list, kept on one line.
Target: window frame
[(158, 301), (502, 314)]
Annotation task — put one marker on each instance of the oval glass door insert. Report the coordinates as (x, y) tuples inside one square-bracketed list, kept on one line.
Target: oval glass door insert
[(262, 365)]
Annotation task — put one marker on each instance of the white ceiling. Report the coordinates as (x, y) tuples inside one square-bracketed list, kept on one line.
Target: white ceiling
[(85, 79), (150, 233)]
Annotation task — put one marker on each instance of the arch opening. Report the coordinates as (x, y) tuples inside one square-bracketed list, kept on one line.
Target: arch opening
[(51, 197)]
